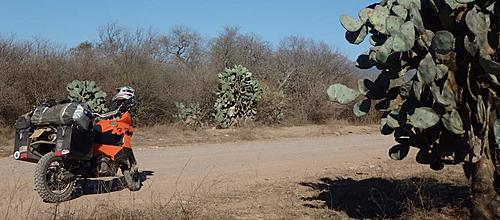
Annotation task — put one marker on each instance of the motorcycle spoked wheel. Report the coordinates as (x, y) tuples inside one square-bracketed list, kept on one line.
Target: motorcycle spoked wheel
[(49, 181), (132, 179)]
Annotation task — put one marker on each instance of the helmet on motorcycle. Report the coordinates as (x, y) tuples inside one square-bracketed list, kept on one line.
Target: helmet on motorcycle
[(126, 95)]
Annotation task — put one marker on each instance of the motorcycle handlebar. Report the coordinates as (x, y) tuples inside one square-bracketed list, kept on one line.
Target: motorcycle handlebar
[(108, 114), (105, 115)]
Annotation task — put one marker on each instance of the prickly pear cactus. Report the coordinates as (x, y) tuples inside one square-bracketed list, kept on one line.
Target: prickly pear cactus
[(237, 97), (89, 92), (439, 81)]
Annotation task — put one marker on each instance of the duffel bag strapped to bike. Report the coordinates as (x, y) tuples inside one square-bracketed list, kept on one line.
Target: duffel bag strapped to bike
[(61, 114)]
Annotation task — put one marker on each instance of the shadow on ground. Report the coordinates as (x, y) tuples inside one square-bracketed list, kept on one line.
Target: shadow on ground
[(384, 198), (103, 186)]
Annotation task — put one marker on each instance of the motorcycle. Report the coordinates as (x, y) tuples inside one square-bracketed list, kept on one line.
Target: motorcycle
[(75, 145)]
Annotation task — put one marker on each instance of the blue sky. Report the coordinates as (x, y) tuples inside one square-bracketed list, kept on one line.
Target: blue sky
[(69, 22)]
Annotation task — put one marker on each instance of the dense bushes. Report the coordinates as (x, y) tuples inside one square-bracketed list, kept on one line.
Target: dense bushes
[(190, 115), (178, 67), (271, 106)]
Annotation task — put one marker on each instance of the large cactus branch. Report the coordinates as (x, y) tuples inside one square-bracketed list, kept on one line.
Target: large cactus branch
[(439, 81)]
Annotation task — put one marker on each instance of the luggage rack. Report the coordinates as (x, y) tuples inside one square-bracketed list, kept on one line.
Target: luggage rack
[(43, 142)]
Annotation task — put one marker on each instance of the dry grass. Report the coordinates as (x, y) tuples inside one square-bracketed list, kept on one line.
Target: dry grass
[(6, 141), (174, 135), (196, 205), (178, 209)]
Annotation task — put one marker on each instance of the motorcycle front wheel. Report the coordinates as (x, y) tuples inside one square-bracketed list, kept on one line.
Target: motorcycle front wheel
[(132, 178), (49, 179)]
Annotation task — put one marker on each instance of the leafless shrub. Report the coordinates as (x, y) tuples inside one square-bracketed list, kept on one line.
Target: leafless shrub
[(179, 66), (306, 68)]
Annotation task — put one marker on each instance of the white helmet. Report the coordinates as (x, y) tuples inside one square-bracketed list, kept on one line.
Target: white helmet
[(126, 95)]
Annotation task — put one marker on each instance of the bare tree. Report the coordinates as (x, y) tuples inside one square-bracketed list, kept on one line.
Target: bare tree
[(111, 38), (232, 48), (183, 45), (304, 68)]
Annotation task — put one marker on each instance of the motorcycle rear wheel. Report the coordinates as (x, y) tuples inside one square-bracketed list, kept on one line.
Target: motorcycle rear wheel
[(49, 181)]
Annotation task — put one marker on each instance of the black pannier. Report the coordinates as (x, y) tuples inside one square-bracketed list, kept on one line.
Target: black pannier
[(22, 140), (22, 122), (61, 114), (74, 142)]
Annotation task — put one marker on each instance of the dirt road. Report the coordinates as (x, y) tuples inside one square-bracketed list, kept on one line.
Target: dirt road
[(208, 168)]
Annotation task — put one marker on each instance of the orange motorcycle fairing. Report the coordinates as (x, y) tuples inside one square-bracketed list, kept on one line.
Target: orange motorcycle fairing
[(121, 128), (108, 150)]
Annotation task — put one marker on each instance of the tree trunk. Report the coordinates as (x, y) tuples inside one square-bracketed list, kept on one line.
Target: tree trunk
[(486, 203)]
